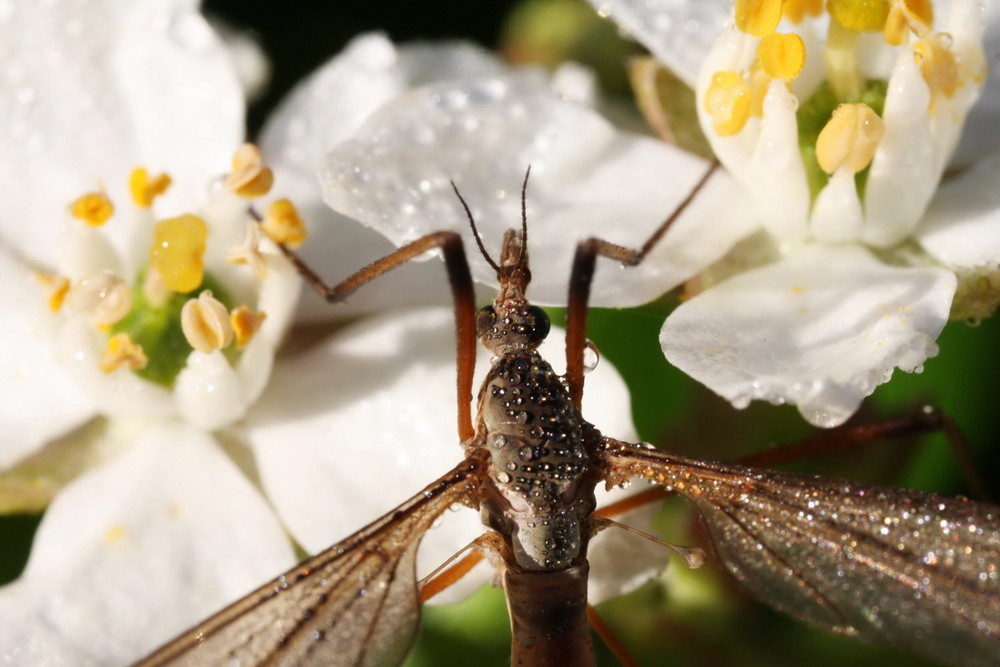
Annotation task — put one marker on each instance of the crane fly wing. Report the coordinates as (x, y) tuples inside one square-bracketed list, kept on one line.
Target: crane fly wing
[(353, 604), (908, 568)]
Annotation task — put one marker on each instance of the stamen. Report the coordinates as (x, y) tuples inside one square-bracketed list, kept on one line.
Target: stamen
[(145, 191), (177, 251), (727, 101), (859, 15), (849, 138), (94, 208), (56, 288), (782, 55), (938, 65), (249, 177), (122, 353), (759, 81), (153, 288), (282, 223), (104, 296), (908, 15), (758, 17), (796, 10), (206, 324), (245, 324), (249, 252)]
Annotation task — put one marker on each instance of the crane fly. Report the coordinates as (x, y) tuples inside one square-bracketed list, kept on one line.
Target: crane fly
[(902, 567)]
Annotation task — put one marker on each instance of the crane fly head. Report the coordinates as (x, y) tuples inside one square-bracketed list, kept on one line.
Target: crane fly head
[(511, 323)]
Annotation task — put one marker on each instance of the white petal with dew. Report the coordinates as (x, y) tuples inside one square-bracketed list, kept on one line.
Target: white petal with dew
[(781, 197), (327, 108), (38, 401), (837, 216), (820, 329), (139, 549), (208, 392), (92, 89), (905, 170), (678, 32), (587, 179), (962, 225), (980, 137), (348, 430)]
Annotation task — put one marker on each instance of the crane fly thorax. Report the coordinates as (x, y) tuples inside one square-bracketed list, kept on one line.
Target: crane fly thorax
[(540, 462)]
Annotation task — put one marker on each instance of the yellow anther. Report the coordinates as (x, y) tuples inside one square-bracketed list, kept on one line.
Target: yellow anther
[(249, 177), (206, 324), (245, 324), (145, 191), (782, 55), (104, 296), (177, 251), (849, 138), (94, 208), (796, 10), (727, 101), (122, 353), (282, 223), (860, 15), (56, 287), (758, 17), (938, 65)]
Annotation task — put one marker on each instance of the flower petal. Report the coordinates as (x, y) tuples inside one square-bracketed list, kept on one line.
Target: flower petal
[(329, 107), (38, 402), (980, 137), (92, 89), (588, 179), (820, 329), (136, 551), (209, 392), (678, 32), (962, 225), (351, 428)]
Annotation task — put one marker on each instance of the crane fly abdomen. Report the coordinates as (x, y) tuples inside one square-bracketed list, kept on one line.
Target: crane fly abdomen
[(548, 612), (539, 461)]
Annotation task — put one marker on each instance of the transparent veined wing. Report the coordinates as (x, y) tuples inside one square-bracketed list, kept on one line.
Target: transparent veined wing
[(354, 604), (908, 568)]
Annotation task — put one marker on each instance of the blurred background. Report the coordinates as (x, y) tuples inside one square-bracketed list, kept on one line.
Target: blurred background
[(685, 617)]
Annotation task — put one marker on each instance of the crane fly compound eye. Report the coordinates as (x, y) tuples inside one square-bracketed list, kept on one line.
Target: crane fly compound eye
[(542, 325)]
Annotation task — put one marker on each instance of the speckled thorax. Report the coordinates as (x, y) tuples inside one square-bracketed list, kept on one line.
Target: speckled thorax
[(540, 464)]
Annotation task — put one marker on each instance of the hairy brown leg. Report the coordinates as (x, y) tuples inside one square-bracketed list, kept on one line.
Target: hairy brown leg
[(582, 274), (462, 291)]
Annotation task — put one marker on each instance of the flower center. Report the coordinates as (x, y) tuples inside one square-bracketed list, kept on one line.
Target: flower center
[(153, 325)]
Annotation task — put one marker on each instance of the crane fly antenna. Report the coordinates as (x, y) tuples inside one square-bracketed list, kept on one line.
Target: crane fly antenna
[(475, 232), (523, 257)]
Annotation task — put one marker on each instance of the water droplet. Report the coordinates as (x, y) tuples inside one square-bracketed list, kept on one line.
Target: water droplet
[(526, 453), (504, 478), (591, 357)]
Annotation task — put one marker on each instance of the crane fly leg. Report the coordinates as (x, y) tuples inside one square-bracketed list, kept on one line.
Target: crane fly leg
[(462, 291), (449, 576), (843, 437), (610, 639), (582, 275)]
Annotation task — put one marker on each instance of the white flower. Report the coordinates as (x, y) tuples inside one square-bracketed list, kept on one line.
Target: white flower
[(166, 526), (864, 263)]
